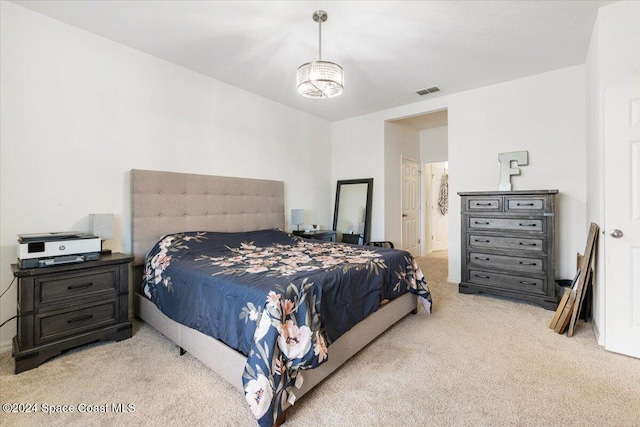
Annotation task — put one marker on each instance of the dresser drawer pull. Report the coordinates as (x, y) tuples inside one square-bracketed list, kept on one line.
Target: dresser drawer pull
[(527, 263), (482, 259), (84, 285), (524, 204), (481, 276), (524, 282), (484, 204), (80, 318), (527, 244), (482, 241), (481, 222), (527, 225)]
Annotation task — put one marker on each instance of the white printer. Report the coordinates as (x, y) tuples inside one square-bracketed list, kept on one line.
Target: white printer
[(49, 249)]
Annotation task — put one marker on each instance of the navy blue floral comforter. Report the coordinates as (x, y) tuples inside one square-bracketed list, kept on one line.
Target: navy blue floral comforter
[(279, 299)]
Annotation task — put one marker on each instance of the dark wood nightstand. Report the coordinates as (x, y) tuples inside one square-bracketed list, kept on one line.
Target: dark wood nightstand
[(324, 235), (355, 239), (65, 306)]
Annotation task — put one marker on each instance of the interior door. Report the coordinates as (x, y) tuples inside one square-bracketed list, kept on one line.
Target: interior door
[(439, 221), (622, 219), (410, 207)]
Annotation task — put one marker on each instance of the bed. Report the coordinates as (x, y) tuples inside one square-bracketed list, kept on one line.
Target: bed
[(179, 205)]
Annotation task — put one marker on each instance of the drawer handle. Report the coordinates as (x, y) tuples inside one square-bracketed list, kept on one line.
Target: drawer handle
[(481, 222), (482, 259), (525, 204), (484, 204), (481, 276), (84, 285), (527, 263), (80, 318), (528, 244), (524, 282), (528, 225), (482, 241)]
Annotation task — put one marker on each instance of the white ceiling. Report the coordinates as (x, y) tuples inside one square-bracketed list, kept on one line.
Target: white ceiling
[(388, 49)]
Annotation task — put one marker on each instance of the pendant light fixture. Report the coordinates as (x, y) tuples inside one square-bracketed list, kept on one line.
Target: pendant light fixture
[(320, 79)]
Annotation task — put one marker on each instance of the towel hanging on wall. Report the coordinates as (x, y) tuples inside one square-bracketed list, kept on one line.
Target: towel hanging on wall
[(443, 197)]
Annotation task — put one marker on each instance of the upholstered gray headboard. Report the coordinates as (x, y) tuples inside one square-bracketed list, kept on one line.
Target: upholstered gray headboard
[(170, 202)]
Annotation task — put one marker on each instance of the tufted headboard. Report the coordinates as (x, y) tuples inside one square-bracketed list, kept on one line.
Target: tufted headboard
[(170, 202)]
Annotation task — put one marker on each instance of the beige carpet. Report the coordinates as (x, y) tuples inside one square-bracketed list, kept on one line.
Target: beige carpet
[(477, 360)]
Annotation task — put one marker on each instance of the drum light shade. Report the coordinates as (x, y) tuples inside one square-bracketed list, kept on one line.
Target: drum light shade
[(320, 79)]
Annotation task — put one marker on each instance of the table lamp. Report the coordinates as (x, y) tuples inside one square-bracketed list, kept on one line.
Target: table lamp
[(297, 217), (101, 225)]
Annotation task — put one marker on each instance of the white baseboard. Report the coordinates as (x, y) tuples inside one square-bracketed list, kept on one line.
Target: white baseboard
[(453, 280), (596, 331), (6, 346)]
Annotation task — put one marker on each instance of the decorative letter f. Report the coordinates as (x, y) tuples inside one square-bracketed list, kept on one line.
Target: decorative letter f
[(520, 158)]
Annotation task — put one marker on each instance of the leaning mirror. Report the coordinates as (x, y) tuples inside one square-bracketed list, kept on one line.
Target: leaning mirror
[(352, 214)]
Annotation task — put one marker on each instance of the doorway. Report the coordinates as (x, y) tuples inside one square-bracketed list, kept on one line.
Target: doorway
[(423, 137)]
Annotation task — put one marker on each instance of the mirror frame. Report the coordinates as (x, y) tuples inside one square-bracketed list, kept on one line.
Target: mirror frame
[(366, 237)]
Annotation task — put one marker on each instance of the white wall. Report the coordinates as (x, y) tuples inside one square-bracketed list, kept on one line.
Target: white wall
[(613, 60), (516, 115), (434, 144), (79, 111), (519, 115), (401, 140), (357, 151)]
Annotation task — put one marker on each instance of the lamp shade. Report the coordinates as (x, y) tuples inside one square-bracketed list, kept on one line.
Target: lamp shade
[(297, 216), (101, 225)]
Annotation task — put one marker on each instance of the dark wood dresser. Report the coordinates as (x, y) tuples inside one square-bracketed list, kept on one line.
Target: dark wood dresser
[(65, 306), (508, 245)]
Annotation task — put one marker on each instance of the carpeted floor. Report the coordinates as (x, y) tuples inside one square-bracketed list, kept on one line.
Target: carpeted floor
[(476, 361)]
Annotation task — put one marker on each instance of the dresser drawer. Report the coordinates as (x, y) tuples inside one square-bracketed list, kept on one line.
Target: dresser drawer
[(499, 242), (483, 223), (484, 204), (505, 262), (63, 287), (61, 323), (508, 281), (525, 204)]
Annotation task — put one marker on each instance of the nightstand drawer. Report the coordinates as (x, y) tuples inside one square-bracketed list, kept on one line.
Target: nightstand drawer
[(499, 242), (508, 281), (58, 324), (505, 262), (63, 287)]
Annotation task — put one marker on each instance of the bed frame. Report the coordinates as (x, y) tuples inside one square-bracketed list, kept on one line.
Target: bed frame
[(169, 202)]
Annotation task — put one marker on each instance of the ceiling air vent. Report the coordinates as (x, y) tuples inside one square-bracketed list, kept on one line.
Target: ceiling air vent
[(426, 91)]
